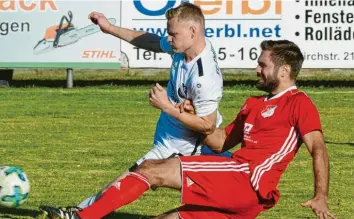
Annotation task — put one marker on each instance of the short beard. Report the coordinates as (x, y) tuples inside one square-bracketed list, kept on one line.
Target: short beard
[(269, 85)]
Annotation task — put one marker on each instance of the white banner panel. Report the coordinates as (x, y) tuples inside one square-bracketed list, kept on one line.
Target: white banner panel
[(50, 33), (323, 29)]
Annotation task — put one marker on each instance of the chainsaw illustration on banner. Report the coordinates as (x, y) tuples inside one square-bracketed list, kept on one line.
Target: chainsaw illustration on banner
[(65, 34)]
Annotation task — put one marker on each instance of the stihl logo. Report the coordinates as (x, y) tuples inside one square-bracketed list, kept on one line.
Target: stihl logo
[(27, 6), (98, 54)]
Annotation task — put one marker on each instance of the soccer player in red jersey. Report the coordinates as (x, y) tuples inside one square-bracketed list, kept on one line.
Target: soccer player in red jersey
[(270, 128)]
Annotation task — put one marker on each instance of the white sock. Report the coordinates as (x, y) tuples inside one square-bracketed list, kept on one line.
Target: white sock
[(89, 201)]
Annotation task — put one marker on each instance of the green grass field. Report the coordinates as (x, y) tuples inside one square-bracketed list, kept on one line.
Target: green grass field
[(71, 142)]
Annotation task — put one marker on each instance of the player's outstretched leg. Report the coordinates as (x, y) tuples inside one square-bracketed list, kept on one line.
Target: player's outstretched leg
[(151, 155), (165, 173), (89, 201)]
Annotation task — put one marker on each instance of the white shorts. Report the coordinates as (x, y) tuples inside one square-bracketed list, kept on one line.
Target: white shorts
[(159, 153)]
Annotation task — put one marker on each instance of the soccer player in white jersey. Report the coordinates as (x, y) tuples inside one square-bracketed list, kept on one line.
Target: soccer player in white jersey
[(194, 75)]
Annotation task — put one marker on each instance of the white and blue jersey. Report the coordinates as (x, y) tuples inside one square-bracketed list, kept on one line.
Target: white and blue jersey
[(200, 81)]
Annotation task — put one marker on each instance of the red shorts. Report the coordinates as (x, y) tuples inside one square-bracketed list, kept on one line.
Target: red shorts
[(217, 188)]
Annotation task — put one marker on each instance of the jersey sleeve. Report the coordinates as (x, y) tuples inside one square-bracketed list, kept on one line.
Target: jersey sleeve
[(165, 46), (206, 92), (306, 117), (235, 126), (234, 130)]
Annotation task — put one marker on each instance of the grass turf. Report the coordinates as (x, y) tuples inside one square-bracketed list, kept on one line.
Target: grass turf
[(72, 142)]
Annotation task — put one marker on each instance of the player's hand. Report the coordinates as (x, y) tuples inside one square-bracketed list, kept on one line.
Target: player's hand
[(319, 206), (158, 98), (186, 106), (100, 20)]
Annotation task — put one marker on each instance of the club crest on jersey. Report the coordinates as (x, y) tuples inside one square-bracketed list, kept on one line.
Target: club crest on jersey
[(182, 92), (269, 111)]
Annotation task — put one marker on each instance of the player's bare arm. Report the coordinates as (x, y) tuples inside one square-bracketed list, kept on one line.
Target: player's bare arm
[(186, 106), (218, 141), (205, 125), (139, 39), (316, 146), (215, 140)]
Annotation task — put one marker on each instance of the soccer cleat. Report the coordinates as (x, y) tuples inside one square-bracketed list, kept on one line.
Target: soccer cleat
[(59, 213)]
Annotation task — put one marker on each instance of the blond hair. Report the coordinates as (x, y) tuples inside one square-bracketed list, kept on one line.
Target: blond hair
[(187, 12)]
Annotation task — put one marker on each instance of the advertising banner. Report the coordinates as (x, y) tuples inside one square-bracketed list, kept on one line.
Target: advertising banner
[(50, 33), (323, 29)]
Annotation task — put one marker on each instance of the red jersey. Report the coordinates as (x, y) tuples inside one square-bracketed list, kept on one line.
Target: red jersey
[(271, 131)]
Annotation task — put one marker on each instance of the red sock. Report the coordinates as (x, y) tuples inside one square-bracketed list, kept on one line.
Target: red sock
[(123, 192)]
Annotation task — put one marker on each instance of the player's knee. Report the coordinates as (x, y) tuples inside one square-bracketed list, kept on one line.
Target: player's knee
[(151, 170)]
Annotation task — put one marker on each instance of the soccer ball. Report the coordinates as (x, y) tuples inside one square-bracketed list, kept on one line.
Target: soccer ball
[(14, 186)]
